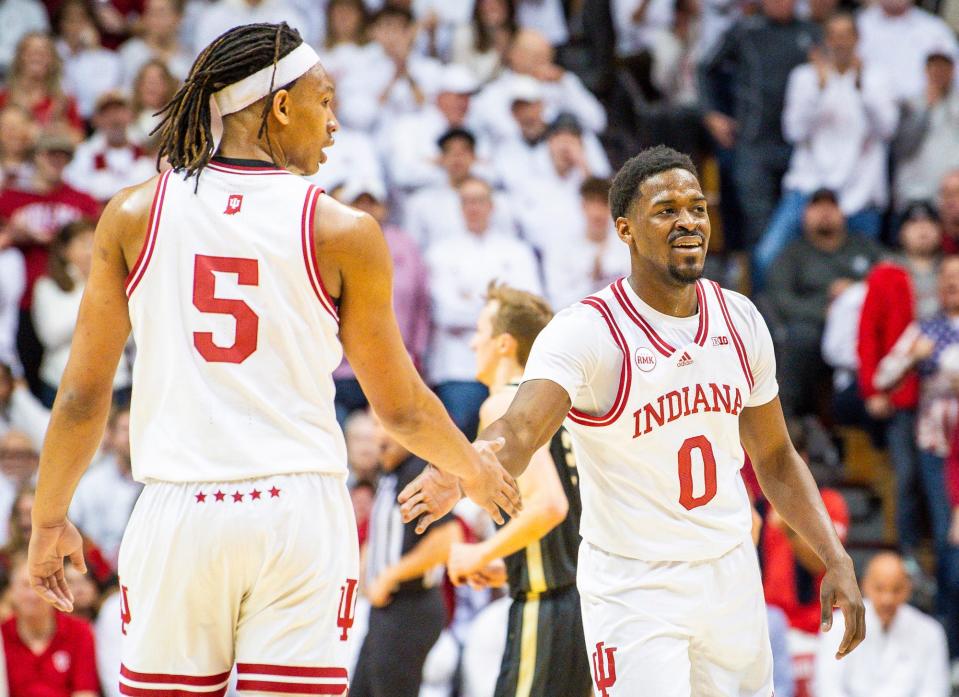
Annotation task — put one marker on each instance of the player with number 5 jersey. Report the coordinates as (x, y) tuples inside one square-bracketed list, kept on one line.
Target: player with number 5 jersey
[(662, 380), (243, 286)]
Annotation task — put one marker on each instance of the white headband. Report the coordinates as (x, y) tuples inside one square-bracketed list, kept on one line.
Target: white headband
[(255, 87)]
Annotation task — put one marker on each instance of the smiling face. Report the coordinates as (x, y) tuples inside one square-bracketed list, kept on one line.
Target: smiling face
[(668, 227)]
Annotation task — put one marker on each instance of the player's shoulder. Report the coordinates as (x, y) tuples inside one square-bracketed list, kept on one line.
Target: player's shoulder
[(128, 211), (336, 223)]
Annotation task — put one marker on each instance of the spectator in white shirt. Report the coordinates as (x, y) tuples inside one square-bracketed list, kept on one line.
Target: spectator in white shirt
[(354, 158), (545, 17), (839, 116), (481, 45), (638, 22), (595, 259), (547, 199), (412, 149), (904, 653), (13, 282), (105, 495), (436, 212), (18, 467), (461, 266), (88, 68), (109, 160), (56, 302), (345, 48), (18, 18), (927, 144), (531, 54), (19, 409), (896, 37), (153, 87), (159, 40), (222, 15), (18, 133), (395, 80)]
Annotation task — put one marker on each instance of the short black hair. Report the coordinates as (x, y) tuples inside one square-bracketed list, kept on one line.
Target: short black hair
[(392, 12), (454, 134), (648, 163)]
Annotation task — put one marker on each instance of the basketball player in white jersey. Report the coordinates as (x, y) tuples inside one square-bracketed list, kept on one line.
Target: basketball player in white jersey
[(662, 379), (240, 281)]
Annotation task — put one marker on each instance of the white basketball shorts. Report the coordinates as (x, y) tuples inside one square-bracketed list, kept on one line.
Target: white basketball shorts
[(260, 573), (675, 629)]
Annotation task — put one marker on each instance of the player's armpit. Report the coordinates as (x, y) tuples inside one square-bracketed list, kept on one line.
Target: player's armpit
[(535, 414)]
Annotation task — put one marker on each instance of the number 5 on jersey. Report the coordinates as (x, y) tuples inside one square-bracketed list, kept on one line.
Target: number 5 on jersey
[(204, 299)]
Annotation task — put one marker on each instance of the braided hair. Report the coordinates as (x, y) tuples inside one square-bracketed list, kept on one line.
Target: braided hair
[(185, 133)]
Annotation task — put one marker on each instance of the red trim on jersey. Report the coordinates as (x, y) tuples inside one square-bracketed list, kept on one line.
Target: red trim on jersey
[(245, 169), (173, 679), (309, 251), (167, 692), (625, 374), (294, 671), (289, 688), (703, 330), (655, 339), (737, 340), (149, 244)]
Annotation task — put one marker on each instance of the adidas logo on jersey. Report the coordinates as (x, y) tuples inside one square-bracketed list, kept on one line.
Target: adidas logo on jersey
[(685, 360)]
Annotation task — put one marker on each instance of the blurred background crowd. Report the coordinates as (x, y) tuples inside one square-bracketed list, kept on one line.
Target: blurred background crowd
[(482, 135)]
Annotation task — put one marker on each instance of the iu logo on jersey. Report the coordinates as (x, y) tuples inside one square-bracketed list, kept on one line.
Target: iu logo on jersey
[(233, 204), (604, 668), (347, 610), (125, 616)]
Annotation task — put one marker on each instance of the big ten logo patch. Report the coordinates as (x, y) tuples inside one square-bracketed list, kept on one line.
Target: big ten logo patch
[(645, 359), (233, 204), (346, 612), (720, 341), (604, 668)]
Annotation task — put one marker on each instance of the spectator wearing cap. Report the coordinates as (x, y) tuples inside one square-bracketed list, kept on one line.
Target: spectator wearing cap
[(838, 116), (18, 18), (742, 86), (896, 38), (412, 146), (481, 44), (109, 160), (904, 653), (949, 211), (220, 16), (461, 266), (805, 278), (546, 195), (532, 55), (594, 259), (48, 653), (159, 39), (927, 144), (411, 300), (89, 69), (395, 80), (436, 212)]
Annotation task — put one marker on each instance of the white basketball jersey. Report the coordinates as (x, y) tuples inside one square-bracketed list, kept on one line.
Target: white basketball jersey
[(236, 336), (660, 469)]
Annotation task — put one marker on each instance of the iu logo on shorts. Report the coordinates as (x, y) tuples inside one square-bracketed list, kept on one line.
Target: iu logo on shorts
[(125, 617), (347, 610), (233, 204), (604, 668)]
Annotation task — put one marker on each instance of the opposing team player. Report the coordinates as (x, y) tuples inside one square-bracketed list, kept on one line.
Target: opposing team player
[(241, 281), (662, 379), (545, 654)]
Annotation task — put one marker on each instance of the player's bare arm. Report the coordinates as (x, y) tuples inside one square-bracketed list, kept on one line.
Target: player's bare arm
[(356, 267), (535, 414), (544, 507), (431, 551), (83, 401), (791, 489)]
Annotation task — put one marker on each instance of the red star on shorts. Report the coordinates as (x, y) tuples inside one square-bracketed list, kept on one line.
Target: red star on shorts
[(201, 497), (255, 495), (274, 493), (237, 497), (219, 495)]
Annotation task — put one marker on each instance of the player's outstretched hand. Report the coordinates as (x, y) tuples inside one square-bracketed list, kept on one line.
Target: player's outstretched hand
[(493, 575), (464, 560), (48, 548), (493, 488), (429, 497), (839, 589)]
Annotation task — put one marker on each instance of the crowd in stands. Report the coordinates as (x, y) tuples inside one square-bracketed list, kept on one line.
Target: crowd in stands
[(481, 135)]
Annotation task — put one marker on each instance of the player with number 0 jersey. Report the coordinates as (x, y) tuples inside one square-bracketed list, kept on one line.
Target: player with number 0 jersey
[(243, 285)]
